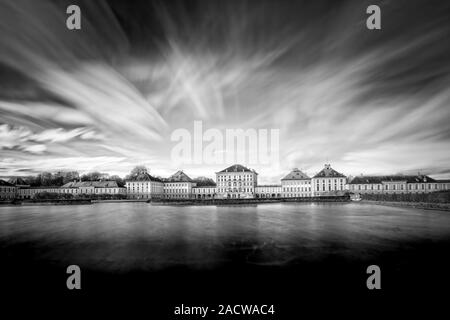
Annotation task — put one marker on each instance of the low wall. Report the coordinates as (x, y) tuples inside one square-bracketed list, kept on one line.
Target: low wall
[(54, 202), (248, 201)]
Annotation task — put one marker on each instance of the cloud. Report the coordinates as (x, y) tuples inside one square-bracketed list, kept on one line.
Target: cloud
[(374, 102), (22, 138), (37, 148)]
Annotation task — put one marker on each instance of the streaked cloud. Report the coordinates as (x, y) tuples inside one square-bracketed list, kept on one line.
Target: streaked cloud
[(111, 94)]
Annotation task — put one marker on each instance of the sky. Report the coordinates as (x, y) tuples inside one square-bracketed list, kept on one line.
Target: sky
[(108, 97)]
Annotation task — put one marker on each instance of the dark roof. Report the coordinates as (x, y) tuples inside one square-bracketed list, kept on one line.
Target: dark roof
[(442, 181), (179, 176), (18, 181), (145, 177), (237, 168), (95, 184), (296, 174), (3, 183), (329, 172), (203, 181), (380, 179)]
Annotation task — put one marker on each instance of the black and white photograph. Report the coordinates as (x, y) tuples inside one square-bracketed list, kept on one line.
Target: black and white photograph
[(214, 159)]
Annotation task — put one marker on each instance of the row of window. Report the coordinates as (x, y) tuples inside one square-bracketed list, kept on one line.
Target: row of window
[(415, 186), (235, 177), (296, 195), (329, 187), (222, 190), (298, 189), (176, 191), (172, 185), (341, 180), (7, 189), (294, 182), (143, 183), (239, 183)]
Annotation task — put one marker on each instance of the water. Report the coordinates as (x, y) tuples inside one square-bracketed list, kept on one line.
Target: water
[(120, 237)]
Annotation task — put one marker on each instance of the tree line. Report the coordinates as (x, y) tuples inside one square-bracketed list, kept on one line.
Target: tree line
[(59, 178)]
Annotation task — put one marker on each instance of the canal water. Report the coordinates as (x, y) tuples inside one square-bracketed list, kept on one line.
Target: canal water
[(120, 237), (293, 255)]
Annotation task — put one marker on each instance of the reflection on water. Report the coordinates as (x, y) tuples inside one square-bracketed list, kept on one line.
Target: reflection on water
[(139, 236)]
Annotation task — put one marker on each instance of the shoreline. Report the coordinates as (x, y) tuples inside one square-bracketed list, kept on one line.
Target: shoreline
[(228, 202), (415, 205), (119, 200), (64, 202), (236, 202)]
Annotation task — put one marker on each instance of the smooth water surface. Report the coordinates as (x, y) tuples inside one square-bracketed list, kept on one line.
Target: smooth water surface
[(140, 236)]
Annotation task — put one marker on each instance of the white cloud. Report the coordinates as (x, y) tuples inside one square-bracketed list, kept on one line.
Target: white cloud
[(36, 148)]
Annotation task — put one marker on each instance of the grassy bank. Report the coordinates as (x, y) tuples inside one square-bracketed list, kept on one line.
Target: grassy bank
[(433, 201), (432, 197), (417, 205)]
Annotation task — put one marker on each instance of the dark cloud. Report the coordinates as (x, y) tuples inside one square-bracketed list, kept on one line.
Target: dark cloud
[(367, 100)]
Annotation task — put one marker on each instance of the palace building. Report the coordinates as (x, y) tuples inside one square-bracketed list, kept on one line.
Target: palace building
[(147, 187), (7, 190), (178, 186), (236, 182), (328, 182), (204, 192), (268, 191), (296, 184), (74, 188), (92, 188), (30, 192), (396, 184)]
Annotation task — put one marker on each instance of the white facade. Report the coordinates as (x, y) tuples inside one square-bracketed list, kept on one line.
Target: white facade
[(178, 186), (146, 189), (328, 182), (30, 192), (396, 184), (75, 188), (236, 182), (7, 191), (296, 184), (178, 190), (204, 192), (268, 191)]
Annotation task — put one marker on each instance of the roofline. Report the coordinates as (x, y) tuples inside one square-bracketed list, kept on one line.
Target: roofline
[(144, 181), (270, 185), (172, 181)]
